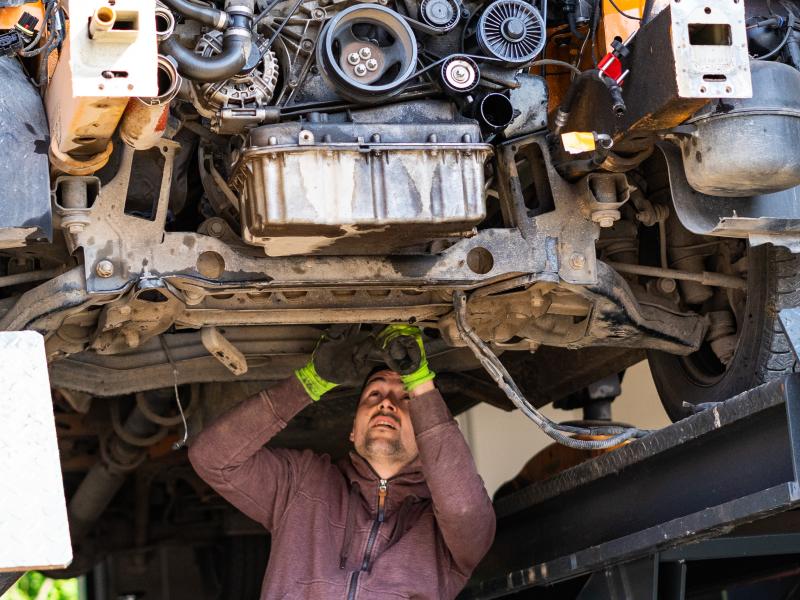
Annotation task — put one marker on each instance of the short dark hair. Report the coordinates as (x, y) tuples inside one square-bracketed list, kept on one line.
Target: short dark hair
[(376, 369)]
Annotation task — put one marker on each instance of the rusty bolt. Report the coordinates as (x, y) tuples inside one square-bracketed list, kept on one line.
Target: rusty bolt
[(606, 217), (577, 261), (105, 268), (666, 285), (606, 222)]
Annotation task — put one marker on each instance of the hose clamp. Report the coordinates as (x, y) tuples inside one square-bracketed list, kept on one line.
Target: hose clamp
[(222, 20), (241, 32), (245, 11)]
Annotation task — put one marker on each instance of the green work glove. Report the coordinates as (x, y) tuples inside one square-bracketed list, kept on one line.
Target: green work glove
[(404, 352), (339, 358)]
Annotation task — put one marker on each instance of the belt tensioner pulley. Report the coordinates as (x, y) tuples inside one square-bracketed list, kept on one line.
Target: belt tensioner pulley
[(368, 53)]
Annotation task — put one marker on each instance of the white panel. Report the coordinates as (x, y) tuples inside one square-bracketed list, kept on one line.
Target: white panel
[(34, 532)]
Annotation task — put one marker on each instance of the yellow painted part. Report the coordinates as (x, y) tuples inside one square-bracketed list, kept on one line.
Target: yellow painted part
[(615, 25), (576, 142), (10, 16)]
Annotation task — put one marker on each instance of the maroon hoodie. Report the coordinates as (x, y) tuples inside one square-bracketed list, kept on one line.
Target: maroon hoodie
[(330, 536)]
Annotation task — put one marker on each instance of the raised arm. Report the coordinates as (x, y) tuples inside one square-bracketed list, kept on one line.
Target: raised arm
[(230, 455), (461, 505)]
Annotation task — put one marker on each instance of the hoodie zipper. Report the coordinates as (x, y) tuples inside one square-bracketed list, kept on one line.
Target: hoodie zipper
[(373, 534)]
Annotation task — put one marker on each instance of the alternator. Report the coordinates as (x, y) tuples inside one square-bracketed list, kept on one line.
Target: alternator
[(241, 102)]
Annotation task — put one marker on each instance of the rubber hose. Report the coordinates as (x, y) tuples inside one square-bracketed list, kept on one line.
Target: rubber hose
[(235, 50), (204, 14), (618, 103)]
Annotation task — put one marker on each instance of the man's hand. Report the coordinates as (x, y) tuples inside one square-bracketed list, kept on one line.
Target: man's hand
[(404, 352), (339, 358)]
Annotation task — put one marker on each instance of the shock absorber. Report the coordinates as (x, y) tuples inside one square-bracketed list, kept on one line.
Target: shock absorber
[(687, 251)]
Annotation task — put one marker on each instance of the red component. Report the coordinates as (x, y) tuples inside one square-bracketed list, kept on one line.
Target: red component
[(611, 66)]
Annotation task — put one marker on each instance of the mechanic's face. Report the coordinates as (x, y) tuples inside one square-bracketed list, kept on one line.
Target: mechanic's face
[(382, 428)]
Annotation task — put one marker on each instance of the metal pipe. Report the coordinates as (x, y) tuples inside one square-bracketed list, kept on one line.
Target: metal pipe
[(705, 278), (108, 475), (145, 119), (29, 276)]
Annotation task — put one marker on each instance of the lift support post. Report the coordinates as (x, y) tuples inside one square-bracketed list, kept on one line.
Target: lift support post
[(634, 517)]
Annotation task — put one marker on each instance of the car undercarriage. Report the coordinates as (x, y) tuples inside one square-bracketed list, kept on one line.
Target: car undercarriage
[(196, 191)]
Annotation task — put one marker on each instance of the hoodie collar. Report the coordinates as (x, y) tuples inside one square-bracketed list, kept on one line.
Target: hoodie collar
[(409, 481)]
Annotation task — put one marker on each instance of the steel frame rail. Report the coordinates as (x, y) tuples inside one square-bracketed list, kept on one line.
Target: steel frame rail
[(622, 514)]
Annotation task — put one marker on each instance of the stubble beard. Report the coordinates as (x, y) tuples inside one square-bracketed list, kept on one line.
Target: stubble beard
[(374, 446)]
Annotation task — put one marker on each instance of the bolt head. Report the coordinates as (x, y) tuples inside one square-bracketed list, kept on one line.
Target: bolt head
[(606, 222), (360, 70), (372, 65), (460, 74), (105, 268), (577, 261), (215, 228), (365, 53), (353, 58), (667, 285)]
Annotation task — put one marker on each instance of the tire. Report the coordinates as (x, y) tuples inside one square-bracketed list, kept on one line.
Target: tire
[(762, 352)]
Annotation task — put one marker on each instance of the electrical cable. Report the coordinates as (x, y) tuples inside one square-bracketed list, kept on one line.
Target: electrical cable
[(595, 24), (558, 432), (555, 63), (772, 53), (28, 50), (623, 13), (264, 48), (182, 442), (264, 13)]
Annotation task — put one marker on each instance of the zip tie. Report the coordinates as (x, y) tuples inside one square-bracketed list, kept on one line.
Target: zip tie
[(182, 442)]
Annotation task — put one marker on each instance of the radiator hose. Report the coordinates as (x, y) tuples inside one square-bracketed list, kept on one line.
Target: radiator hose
[(237, 22)]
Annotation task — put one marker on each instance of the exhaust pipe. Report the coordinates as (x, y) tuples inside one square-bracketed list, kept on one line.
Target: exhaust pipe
[(145, 119)]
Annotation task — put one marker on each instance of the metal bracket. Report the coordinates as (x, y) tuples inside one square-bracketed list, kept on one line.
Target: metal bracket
[(771, 218)]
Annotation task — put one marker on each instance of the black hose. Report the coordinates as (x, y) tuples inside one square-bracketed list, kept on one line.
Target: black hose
[(573, 27), (206, 15), (236, 46), (235, 50)]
